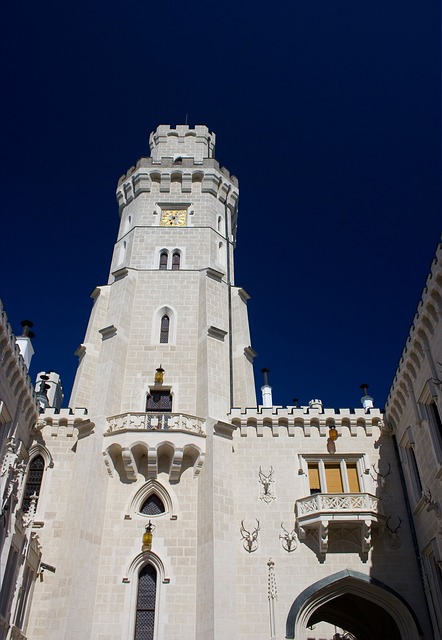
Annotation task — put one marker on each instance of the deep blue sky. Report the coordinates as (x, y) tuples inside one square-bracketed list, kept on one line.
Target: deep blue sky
[(328, 113)]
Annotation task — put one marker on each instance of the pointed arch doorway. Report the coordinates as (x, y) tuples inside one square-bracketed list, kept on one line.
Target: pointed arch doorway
[(358, 603)]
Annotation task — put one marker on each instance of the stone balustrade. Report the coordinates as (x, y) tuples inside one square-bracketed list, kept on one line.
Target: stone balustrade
[(155, 422), (316, 513), (327, 502)]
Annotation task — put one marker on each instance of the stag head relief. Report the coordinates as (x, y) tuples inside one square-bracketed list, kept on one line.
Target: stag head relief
[(250, 538), (266, 485)]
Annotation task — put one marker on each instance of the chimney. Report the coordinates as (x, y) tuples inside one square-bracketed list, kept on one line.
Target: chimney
[(42, 393), (24, 342), (266, 390), (52, 390), (367, 401)]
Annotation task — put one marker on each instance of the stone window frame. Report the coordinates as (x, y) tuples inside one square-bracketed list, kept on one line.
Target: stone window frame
[(25, 596), (410, 466), (163, 260), (34, 451), (148, 488), (169, 262), (159, 313), (9, 582), (428, 398), (432, 563), (353, 458), (132, 579), (148, 567)]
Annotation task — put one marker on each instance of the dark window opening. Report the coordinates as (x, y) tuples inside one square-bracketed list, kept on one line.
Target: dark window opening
[(164, 331), (152, 506), (33, 482), (147, 587), (415, 468), (436, 417), (159, 401), (163, 261), (176, 259)]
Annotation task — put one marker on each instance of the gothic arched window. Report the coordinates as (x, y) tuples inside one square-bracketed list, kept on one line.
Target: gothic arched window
[(176, 259), (33, 482), (147, 588), (163, 260), (152, 506), (164, 330)]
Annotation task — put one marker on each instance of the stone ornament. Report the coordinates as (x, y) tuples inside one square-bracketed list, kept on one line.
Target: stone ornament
[(266, 495), (250, 538), (290, 540), (431, 504), (155, 422), (272, 595), (392, 537)]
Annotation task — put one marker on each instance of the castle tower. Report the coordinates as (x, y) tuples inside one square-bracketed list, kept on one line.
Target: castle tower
[(171, 299), (166, 355), (166, 503)]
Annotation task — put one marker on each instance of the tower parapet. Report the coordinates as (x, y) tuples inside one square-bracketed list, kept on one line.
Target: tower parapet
[(182, 141)]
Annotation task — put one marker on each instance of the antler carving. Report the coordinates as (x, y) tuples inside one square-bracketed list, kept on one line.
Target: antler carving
[(431, 505), (393, 540), (266, 482), (381, 478), (289, 540), (250, 538), (393, 531)]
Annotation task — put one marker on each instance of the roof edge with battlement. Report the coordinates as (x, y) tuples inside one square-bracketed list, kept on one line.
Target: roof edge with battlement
[(428, 314), (12, 359)]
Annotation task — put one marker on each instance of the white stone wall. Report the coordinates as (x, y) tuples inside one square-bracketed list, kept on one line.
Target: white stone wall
[(18, 417), (417, 385), (297, 570), (204, 458)]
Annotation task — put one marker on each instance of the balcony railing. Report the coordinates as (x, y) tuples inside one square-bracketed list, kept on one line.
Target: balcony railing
[(318, 511), (336, 503), (155, 422)]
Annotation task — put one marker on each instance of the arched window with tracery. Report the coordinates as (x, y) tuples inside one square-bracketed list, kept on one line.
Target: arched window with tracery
[(176, 260), (33, 481), (163, 260), (152, 506), (147, 589), (164, 330)]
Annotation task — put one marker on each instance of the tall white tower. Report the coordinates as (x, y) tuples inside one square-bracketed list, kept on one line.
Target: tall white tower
[(166, 355), (171, 299)]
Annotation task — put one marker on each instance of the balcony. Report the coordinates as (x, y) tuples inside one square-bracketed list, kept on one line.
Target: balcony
[(318, 511), (150, 443), (155, 422)]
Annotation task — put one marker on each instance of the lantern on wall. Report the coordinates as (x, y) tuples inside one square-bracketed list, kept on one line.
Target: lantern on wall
[(159, 375), (333, 434), (147, 537)]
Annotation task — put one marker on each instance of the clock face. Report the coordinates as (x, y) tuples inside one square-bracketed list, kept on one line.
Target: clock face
[(173, 217)]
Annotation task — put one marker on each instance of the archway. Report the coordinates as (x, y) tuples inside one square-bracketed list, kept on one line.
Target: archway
[(358, 603)]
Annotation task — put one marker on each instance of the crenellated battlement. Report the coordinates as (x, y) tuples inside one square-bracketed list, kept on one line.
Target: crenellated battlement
[(15, 366), (182, 140), (292, 419), (149, 176), (67, 421), (417, 355)]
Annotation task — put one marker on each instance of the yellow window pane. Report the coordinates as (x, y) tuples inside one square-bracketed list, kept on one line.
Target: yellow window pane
[(353, 479), (313, 477), (333, 478)]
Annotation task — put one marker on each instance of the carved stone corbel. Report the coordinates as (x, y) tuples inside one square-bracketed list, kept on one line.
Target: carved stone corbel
[(129, 464), (366, 536), (323, 536)]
